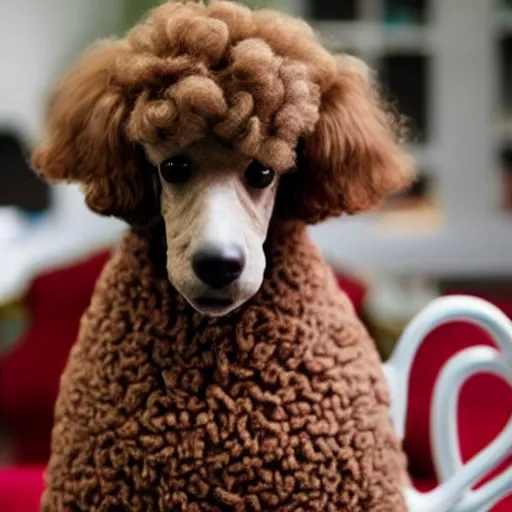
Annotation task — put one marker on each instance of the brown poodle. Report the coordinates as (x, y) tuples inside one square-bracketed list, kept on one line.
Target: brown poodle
[(218, 366)]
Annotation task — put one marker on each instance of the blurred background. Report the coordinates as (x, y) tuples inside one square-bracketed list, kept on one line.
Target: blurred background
[(448, 65)]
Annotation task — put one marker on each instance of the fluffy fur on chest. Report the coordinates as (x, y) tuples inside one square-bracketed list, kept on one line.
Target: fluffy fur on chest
[(280, 406)]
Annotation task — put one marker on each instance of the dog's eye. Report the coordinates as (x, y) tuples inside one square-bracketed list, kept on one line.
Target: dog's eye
[(258, 176), (176, 170)]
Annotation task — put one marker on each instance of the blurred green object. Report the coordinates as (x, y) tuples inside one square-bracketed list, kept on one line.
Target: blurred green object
[(14, 320), (404, 12), (134, 10)]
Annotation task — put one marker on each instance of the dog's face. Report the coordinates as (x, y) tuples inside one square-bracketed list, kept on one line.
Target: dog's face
[(216, 205)]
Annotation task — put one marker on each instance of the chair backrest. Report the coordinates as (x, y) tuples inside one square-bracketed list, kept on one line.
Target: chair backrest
[(456, 478)]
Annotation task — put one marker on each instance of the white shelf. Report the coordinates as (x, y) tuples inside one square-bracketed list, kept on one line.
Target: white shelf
[(478, 247)]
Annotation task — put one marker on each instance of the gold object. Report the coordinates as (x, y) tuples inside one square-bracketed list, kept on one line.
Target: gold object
[(14, 319)]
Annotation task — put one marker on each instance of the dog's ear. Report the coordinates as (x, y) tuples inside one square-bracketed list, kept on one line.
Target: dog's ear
[(85, 140), (353, 159)]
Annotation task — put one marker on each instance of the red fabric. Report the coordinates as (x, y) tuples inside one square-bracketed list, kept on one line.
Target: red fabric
[(30, 373), (354, 289), (20, 489), (29, 378)]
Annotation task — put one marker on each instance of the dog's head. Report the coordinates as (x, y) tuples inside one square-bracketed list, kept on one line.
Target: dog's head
[(214, 119)]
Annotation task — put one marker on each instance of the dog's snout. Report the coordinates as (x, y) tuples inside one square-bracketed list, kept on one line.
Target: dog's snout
[(218, 266)]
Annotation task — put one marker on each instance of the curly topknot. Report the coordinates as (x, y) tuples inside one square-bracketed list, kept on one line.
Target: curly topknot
[(258, 80)]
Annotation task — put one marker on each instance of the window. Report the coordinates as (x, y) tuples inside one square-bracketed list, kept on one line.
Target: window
[(330, 10), (405, 12), (405, 81)]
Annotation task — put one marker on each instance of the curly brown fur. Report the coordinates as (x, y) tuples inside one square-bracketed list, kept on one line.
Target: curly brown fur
[(281, 406), (259, 80)]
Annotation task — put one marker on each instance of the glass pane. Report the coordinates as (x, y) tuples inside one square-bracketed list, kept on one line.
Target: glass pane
[(405, 80), (405, 11), (505, 53), (333, 10), (506, 178)]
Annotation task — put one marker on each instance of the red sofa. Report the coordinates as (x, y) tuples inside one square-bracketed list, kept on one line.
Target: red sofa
[(29, 379)]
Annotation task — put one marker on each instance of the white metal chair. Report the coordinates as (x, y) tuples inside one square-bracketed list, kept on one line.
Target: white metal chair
[(454, 493)]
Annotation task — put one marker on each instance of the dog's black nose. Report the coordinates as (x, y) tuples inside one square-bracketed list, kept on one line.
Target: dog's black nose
[(218, 266)]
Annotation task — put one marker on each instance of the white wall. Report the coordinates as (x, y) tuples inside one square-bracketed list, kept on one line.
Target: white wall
[(37, 39)]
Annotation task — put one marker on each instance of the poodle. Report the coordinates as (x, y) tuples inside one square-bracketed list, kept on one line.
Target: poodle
[(219, 367)]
